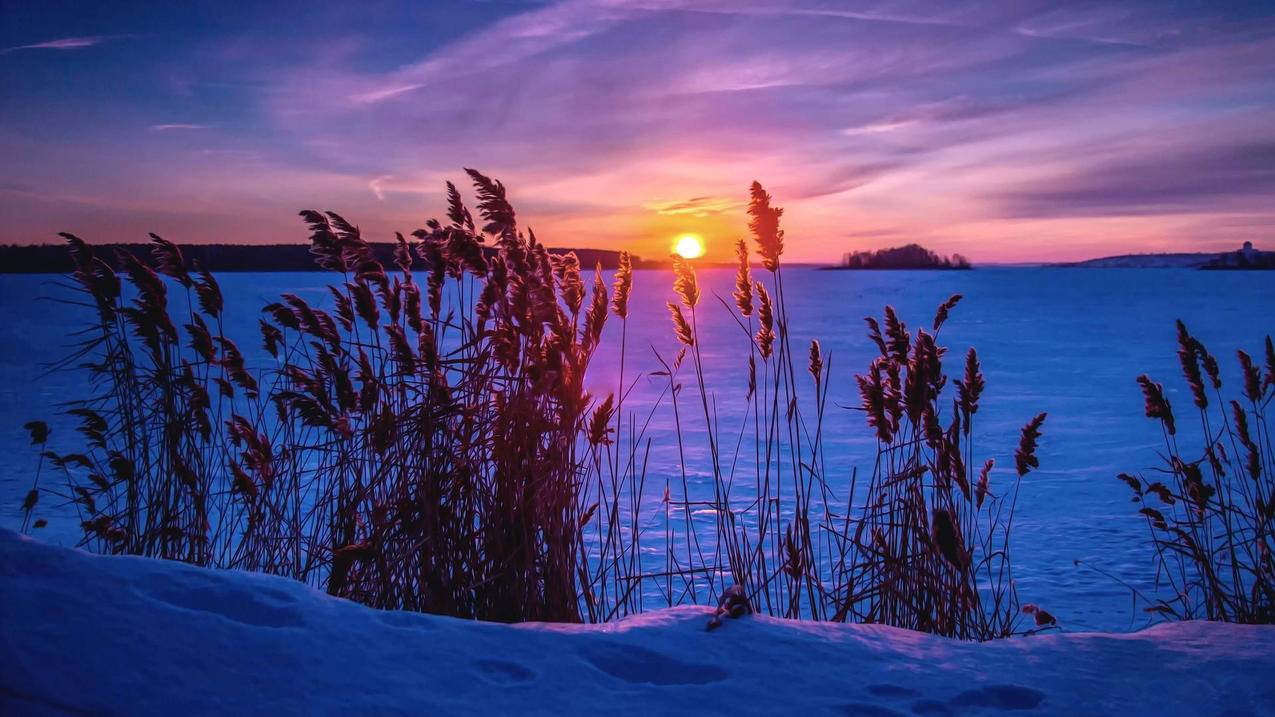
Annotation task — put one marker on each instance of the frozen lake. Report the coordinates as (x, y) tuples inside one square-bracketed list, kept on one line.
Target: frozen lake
[(1065, 341)]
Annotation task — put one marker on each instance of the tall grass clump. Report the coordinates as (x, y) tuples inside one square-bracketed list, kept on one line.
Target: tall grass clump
[(767, 474), (931, 551), (926, 548), (1211, 512), (420, 438), (612, 574), (422, 443), (145, 482)]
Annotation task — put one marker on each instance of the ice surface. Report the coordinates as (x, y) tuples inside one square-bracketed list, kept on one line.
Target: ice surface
[(1065, 341), (84, 634)]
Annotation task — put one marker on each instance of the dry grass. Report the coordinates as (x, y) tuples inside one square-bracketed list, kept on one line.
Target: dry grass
[(1212, 518), (928, 546), (422, 446), (427, 443)]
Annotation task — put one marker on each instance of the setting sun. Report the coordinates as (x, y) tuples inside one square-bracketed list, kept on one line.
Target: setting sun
[(689, 246)]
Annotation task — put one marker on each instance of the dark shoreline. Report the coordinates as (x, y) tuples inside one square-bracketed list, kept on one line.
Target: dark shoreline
[(54, 259), (895, 268)]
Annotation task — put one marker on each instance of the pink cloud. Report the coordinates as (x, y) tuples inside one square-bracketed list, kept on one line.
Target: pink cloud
[(998, 130)]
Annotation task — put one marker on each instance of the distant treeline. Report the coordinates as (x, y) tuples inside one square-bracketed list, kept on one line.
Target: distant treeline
[(54, 259), (911, 256)]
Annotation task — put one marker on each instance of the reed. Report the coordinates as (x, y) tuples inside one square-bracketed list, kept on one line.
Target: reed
[(422, 439), (422, 445), (928, 546), (1211, 515)]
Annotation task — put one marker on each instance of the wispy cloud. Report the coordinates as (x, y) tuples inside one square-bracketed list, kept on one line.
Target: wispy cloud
[(696, 206), (16, 187), (242, 154), (65, 43), (1172, 180), (377, 186), (878, 127), (966, 126), (509, 42), (385, 93), (177, 126)]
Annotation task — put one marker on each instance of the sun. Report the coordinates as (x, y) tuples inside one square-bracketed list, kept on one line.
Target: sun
[(689, 246)]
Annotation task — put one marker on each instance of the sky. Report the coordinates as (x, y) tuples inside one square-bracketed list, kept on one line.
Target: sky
[(1006, 131)]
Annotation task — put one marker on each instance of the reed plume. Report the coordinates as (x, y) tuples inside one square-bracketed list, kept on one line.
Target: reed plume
[(940, 316), (681, 327), (970, 388), (1252, 377), (743, 281), (1189, 357), (1155, 404), (685, 284), (1025, 457), (764, 224), (816, 361), (623, 286), (766, 319)]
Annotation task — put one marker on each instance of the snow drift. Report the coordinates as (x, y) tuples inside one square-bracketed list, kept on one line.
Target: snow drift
[(85, 634)]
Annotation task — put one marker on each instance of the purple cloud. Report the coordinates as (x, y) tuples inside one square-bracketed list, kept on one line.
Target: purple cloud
[(1177, 180), (953, 124)]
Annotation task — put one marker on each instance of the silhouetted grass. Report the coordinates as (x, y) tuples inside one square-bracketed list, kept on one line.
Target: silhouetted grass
[(421, 446), (1212, 518), (928, 547), (427, 442)]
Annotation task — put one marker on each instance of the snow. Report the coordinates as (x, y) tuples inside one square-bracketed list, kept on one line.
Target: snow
[(86, 634)]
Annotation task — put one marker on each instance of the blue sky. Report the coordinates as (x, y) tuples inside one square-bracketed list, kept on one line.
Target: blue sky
[(1006, 131)]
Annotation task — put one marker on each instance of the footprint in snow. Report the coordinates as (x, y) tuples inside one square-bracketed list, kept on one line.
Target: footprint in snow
[(995, 697), (259, 607), (888, 690), (1000, 697), (640, 665), (503, 672), (404, 620), (867, 709), (930, 708)]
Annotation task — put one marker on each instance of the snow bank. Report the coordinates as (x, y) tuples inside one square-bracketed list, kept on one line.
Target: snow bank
[(84, 634)]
